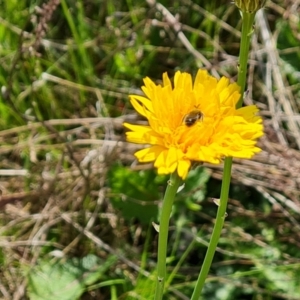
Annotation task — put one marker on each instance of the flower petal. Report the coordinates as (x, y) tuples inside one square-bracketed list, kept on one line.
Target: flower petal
[(215, 128), (148, 154)]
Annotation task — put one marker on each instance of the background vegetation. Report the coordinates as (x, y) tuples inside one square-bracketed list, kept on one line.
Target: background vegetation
[(76, 209)]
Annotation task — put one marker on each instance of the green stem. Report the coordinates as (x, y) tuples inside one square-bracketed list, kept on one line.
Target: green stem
[(216, 231), (248, 20), (171, 191)]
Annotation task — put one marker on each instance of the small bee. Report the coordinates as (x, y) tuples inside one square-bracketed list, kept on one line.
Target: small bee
[(192, 117)]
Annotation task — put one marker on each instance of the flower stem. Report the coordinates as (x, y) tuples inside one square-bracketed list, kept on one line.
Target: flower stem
[(171, 191), (248, 20), (216, 231)]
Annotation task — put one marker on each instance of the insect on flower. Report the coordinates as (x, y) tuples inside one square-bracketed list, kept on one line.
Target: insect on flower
[(192, 117), (173, 138)]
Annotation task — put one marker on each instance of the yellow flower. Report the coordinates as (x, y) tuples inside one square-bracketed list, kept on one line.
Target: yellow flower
[(193, 122)]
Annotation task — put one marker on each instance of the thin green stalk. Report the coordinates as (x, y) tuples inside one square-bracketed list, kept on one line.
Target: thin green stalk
[(248, 20), (180, 262), (216, 231), (78, 31), (171, 191)]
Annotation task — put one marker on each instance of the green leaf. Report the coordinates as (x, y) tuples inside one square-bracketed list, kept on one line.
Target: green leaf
[(135, 193), (65, 280), (195, 188), (282, 279)]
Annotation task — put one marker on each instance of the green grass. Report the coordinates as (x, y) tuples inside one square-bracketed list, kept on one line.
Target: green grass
[(64, 97)]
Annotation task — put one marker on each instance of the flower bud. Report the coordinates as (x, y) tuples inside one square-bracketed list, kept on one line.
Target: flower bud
[(250, 6)]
